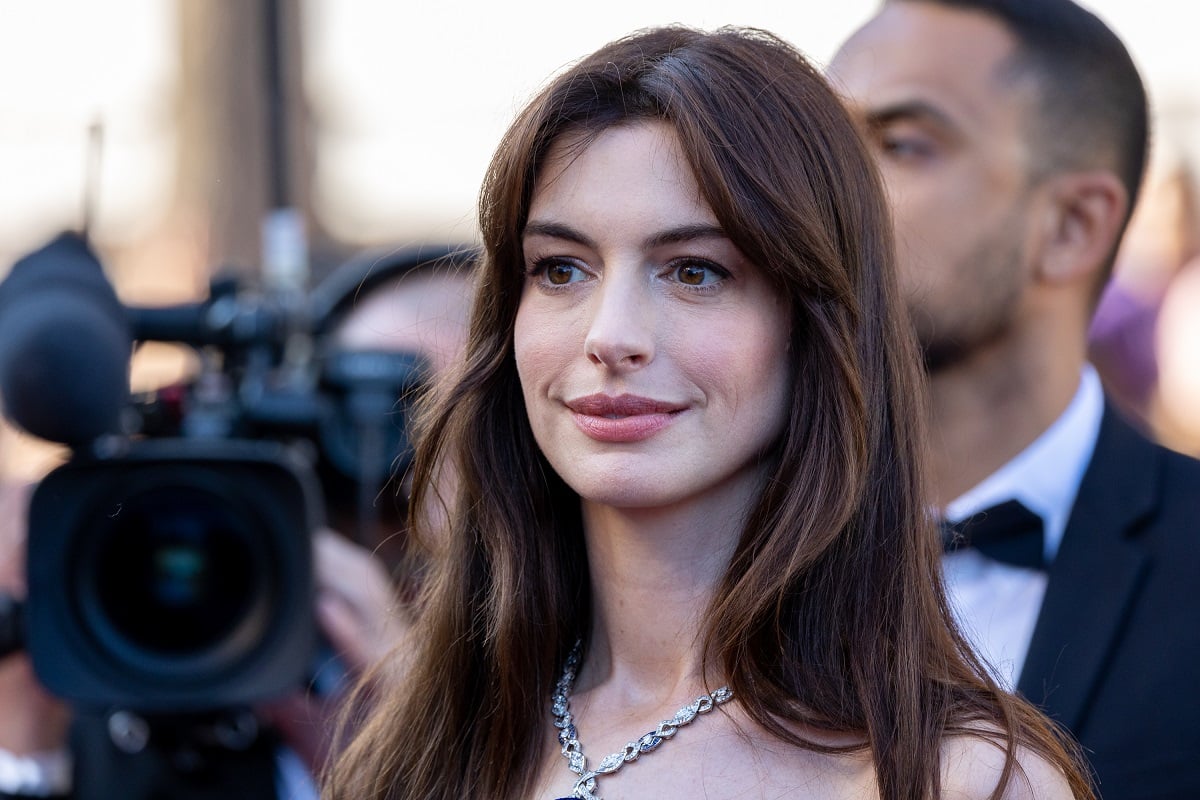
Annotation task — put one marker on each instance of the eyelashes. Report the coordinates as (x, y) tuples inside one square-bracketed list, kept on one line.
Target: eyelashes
[(695, 275), (556, 272)]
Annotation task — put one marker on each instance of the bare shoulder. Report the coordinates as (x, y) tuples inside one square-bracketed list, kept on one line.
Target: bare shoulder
[(972, 765)]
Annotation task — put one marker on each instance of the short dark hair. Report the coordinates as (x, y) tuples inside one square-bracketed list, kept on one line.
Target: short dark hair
[(1092, 107)]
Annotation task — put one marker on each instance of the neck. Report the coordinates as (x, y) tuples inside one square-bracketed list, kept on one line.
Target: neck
[(653, 575), (989, 407)]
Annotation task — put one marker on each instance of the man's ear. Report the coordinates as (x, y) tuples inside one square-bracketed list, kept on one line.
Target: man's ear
[(1083, 219)]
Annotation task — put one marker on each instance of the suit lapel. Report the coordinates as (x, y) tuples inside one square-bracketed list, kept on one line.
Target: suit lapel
[(1096, 575)]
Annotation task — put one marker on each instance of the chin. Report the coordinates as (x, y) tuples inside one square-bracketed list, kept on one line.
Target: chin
[(629, 492)]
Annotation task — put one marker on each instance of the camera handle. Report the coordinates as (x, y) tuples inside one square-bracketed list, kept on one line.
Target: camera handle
[(221, 754)]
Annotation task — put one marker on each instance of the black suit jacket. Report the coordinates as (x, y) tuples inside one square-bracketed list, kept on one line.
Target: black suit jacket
[(1115, 654)]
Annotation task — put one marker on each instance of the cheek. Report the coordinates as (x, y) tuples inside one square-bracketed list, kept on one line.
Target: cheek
[(524, 340), (935, 205), (923, 215), (768, 372), (935, 222), (748, 367), (537, 349), (917, 217)]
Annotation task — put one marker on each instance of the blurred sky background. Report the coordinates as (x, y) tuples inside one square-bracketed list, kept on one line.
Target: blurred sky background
[(403, 103), (407, 99)]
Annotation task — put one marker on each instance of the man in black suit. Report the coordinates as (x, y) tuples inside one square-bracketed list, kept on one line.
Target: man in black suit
[(1012, 137)]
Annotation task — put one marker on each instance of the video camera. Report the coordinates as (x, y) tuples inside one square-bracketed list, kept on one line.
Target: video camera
[(169, 560)]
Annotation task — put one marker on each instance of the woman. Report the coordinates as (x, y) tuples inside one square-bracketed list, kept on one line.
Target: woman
[(686, 465)]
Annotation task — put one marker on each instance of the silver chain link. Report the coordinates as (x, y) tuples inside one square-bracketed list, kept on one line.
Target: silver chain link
[(572, 749)]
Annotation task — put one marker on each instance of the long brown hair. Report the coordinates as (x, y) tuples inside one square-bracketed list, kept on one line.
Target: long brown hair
[(831, 613)]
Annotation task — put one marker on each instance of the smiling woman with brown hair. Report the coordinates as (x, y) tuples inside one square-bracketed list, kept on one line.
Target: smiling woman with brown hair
[(685, 447)]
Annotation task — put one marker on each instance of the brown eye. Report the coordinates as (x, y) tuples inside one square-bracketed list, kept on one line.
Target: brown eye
[(560, 274), (699, 273), (691, 274)]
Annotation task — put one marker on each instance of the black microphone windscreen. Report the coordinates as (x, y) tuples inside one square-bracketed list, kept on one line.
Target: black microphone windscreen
[(65, 345)]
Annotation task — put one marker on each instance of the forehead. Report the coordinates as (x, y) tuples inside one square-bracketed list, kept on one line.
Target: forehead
[(628, 173), (949, 59), (424, 311)]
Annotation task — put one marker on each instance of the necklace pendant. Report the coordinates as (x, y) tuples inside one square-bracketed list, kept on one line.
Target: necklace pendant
[(572, 750), (585, 788)]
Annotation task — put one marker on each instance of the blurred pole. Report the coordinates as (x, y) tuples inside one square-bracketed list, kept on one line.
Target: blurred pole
[(244, 144)]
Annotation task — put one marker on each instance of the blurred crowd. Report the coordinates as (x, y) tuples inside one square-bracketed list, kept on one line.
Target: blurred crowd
[(1145, 338)]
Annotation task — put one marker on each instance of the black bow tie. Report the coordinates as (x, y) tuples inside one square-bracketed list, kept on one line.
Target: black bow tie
[(1008, 532)]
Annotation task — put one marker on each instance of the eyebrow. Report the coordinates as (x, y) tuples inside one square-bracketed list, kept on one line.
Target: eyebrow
[(556, 230), (682, 233), (909, 109)]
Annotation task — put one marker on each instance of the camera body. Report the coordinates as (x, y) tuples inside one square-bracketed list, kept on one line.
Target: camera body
[(170, 564), (173, 575)]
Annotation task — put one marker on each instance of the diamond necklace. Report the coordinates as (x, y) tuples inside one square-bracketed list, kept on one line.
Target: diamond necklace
[(572, 750)]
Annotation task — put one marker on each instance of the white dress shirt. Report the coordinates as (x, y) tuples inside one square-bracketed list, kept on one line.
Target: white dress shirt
[(997, 604)]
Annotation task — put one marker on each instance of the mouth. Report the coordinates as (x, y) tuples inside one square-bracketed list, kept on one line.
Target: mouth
[(620, 406), (622, 419)]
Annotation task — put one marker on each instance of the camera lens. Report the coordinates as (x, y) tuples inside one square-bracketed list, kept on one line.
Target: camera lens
[(177, 574), (173, 575)]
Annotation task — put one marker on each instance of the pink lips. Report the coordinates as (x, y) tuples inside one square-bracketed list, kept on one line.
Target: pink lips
[(623, 418)]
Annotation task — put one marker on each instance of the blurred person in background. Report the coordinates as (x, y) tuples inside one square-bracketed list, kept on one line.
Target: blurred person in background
[(411, 301), (1177, 403), (1123, 341), (1012, 136)]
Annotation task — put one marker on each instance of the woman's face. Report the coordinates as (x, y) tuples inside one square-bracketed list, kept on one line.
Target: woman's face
[(652, 354)]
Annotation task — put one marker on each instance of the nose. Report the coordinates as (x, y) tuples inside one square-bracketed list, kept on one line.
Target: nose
[(621, 329)]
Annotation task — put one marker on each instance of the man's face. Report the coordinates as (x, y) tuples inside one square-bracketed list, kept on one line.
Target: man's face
[(949, 129)]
